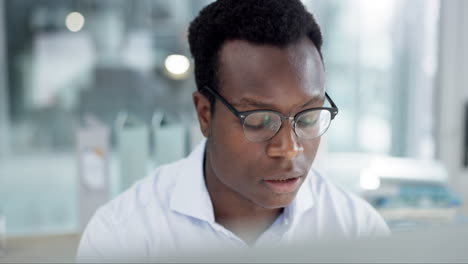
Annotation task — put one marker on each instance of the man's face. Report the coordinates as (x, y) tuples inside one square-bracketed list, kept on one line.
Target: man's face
[(255, 77)]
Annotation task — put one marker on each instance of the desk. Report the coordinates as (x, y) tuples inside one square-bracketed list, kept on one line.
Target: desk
[(52, 248)]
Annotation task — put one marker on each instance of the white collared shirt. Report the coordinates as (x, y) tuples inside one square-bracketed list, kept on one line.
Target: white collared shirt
[(171, 211)]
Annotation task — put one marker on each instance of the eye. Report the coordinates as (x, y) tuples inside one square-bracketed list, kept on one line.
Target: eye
[(308, 119), (259, 121)]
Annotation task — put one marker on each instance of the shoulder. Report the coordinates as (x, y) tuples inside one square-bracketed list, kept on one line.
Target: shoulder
[(152, 192), (354, 214), (334, 195), (122, 224)]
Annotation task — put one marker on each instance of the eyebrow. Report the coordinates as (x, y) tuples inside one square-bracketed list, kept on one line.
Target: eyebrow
[(252, 102), (256, 103)]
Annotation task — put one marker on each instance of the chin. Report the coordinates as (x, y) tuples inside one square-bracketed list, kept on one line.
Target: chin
[(276, 201)]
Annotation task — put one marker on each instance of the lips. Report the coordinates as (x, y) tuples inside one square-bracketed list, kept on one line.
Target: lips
[(283, 185), (282, 180)]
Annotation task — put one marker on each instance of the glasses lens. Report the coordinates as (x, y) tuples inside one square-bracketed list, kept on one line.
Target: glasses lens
[(261, 126), (313, 123)]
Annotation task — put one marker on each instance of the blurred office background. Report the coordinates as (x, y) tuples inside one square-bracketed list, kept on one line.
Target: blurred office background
[(96, 93)]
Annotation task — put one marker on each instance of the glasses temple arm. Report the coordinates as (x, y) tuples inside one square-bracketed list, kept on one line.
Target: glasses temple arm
[(333, 105), (220, 98)]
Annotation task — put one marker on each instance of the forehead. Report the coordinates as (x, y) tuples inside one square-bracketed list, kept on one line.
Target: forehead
[(269, 73)]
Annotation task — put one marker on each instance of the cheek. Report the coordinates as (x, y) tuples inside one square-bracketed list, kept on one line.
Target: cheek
[(227, 145), (227, 137), (310, 149), (234, 157)]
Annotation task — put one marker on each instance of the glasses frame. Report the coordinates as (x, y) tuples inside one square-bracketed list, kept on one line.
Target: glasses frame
[(244, 114)]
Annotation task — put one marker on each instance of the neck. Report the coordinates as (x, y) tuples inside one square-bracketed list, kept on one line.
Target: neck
[(235, 212)]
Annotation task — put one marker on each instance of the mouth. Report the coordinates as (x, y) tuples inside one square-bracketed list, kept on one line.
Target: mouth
[(287, 185)]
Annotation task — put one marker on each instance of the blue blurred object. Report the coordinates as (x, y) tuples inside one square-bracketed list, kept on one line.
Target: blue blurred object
[(408, 193), (417, 205)]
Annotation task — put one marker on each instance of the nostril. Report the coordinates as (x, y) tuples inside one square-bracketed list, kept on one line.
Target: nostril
[(282, 150), (293, 153)]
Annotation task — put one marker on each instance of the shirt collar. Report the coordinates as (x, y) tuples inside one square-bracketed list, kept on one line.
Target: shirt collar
[(191, 198), (303, 202)]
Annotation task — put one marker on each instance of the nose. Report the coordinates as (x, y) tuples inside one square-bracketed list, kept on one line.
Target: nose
[(285, 143)]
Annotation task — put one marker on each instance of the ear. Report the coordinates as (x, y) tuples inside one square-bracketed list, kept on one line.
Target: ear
[(203, 108)]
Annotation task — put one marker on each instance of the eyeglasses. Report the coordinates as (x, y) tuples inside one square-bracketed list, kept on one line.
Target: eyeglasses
[(262, 125)]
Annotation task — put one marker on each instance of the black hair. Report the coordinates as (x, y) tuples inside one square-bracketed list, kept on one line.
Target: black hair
[(264, 22)]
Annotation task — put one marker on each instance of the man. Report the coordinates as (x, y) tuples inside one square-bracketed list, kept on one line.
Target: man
[(262, 106)]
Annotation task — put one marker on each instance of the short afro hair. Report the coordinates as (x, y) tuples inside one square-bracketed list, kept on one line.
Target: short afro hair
[(264, 22)]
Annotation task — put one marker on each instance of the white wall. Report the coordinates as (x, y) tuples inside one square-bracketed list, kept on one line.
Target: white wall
[(452, 91)]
